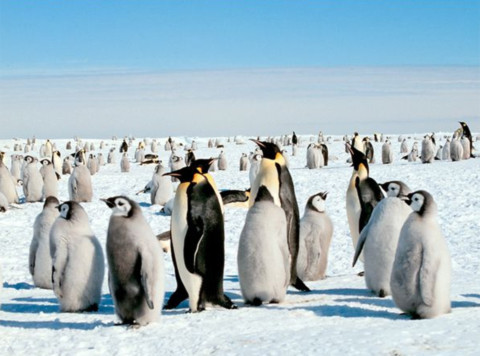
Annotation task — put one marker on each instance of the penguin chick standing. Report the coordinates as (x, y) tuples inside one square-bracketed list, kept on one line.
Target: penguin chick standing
[(77, 258), (162, 189), (32, 181), (135, 264), (275, 176), (50, 181), (40, 261), (197, 234), (263, 257), (421, 274), (80, 181), (316, 230), (124, 163), (428, 150), (7, 185)]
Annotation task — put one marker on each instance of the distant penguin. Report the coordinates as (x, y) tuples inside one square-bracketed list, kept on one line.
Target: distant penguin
[(78, 262), (276, 177), (314, 157), (111, 156), (15, 167), (80, 181), (92, 164), (413, 155), (244, 162), (40, 261), (124, 147), (468, 135), (135, 264), (66, 166), (316, 230), (255, 161), (162, 189), (466, 147), (404, 146), (32, 181), (57, 163), (387, 153), (222, 161), (263, 257), (189, 157), (369, 151), (197, 233), (124, 163), (456, 150), (421, 274), (428, 150), (446, 150), (50, 181), (48, 149), (379, 240), (358, 143)]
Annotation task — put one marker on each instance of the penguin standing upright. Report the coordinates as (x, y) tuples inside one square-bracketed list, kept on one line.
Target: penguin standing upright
[(77, 258), (222, 161), (316, 230), (50, 181), (275, 176), (456, 150), (428, 150), (66, 166), (80, 181), (369, 151), (467, 134), (124, 163), (7, 185), (446, 150), (387, 153), (40, 260), (255, 160), (379, 238), (421, 273), (162, 189), (135, 264), (404, 146), (197, 234), (32, 181), (57, 163), (244, 162), (263, 257)]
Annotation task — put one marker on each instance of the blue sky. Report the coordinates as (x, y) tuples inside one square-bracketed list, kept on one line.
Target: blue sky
[(98, 40)]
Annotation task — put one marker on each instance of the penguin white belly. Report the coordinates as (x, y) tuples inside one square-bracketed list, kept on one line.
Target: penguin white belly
[(383, 232), (191, 281), (268, 177), (353, 214), (263, 257)]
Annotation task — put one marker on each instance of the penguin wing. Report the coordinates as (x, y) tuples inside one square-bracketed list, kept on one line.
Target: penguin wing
[(233, 196), (58, 267), (369, 194), (427, 276), (145, 280), (32, 256), (360, 243), (194, 235)]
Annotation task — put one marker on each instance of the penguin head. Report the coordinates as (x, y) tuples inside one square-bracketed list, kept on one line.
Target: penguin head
[(317, 202), (51, 201), (121, 206), (28, 159), (270, 150), (66, 209), (359, 160), (202, 165), (45, 162), (184, 174), (395, 188), (421, 202)]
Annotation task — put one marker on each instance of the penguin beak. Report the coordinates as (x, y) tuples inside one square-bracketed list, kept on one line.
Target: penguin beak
[(109, 203), (259, 143), (406, 198), (173, 174)]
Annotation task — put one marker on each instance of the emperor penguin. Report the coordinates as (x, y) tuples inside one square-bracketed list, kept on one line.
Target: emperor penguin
[(428, 150), (111, 156), (92, 164), (124, 147), (263, 257), (189, 157), (413, 155), (197, 235), (50, 181), (404, 146), (369, 151), (15, 167), (358, 143), (467, 134), (255, 160), (48, 150), (387, 153), (162, 189), (466, 147), (66, 166), (77, 259), (57, 163), (316, 230), (314, 156), (421, 274), (32, 181), (176, 163), (124, 163), (379, 238), (244, 162), (395, 188), (446, 150), (275, 176), (40, 261), (456, 150), (222, 161), (135, 264), (7, 185), (80, 181)]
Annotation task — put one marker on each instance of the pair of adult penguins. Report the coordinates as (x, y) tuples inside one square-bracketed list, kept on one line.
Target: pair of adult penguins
[(197, 228)]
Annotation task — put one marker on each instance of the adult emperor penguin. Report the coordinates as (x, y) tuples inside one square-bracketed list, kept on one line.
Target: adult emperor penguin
[(40, 260), (379, 239), (275, 176), (77, 258), (316, 230), (80, 181), (263, 257), (50, 181), (466, 133), (197, 234), (357, 142), (7, 185), (32, 181), (421, 274), (135, 264)]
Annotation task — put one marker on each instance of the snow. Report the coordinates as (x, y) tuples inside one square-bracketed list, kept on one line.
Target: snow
[(338, 316)]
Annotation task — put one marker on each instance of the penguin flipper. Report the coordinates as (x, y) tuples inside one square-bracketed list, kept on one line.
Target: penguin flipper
[(427, 277), (32, 255), (146, 289), (192, 240), (180, 293), (369, 194), (233, 196), (360, 243)]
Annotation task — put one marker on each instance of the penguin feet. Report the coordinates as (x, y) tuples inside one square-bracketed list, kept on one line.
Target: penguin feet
[(226, 303), (256, 302), (381, 293), (299, 285)]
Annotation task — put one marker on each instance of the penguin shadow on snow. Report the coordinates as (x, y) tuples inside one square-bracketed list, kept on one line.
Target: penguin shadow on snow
[(18, 286), (145, 204), (51, 324), (183, 307), (337, 291)]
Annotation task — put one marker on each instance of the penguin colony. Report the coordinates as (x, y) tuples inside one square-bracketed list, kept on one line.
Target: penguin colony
[(394, 231)]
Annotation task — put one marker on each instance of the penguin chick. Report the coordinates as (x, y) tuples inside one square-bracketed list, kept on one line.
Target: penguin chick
[(395, 188), (40, 260), (77, 258), (421, 274), (316, 230), (135, 264)]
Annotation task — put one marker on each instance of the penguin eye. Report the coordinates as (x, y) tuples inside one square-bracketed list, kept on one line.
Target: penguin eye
[(121, 203)]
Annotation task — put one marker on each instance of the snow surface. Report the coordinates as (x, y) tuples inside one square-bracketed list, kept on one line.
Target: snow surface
[(339, 315)]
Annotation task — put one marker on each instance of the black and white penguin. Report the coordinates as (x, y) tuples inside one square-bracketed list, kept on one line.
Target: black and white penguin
[(466, 133), (32, 180), (316, 230), (80, 181), (135, 264), (197, 234), (40, 260), (50, 181), (7, 184), (387, 152), (275, 176), (77, 259), (243, 162), (369, 151), (421, 274), (263, 257)]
